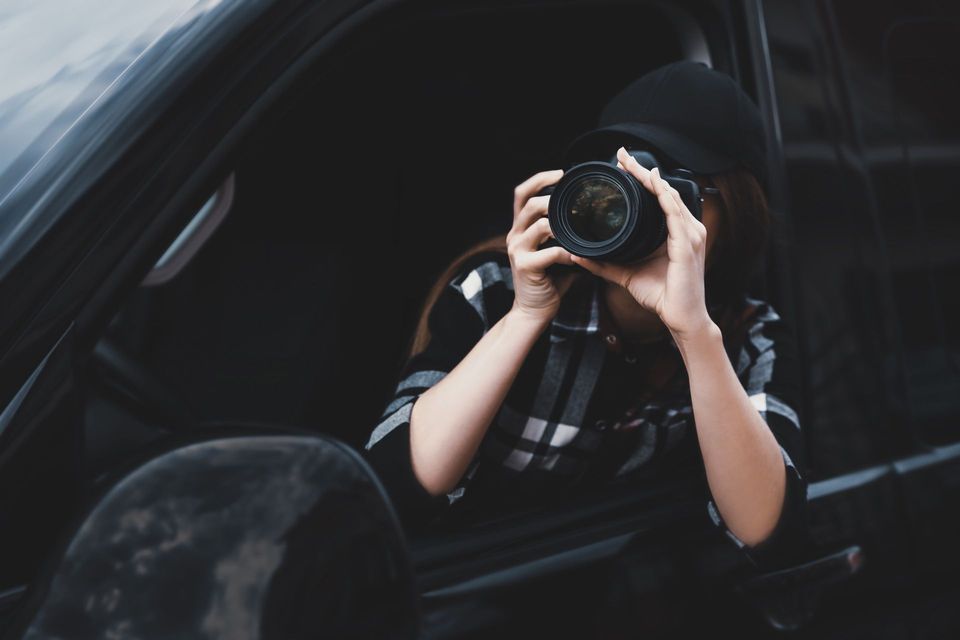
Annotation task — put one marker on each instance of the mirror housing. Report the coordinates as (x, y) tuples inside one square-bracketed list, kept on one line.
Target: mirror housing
[(266, 536), (788, 598)]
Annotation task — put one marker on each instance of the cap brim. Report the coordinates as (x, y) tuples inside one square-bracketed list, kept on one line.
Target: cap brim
[(680, 149)]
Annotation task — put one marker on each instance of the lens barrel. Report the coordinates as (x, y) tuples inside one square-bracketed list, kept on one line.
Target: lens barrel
[(600, 211)]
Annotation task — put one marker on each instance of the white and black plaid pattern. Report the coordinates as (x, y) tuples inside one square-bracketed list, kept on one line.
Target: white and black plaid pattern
[(547, 425)]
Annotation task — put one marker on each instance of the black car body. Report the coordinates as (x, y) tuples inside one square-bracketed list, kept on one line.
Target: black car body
[(351, 146)]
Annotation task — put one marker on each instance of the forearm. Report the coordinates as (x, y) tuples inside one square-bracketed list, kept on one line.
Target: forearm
[(744, 465), (449, 419)]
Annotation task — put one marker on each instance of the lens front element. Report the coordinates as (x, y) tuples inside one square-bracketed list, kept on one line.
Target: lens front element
[(602, 212), (597, 209)]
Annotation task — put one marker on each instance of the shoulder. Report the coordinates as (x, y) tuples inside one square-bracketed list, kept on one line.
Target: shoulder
[(763, 309), (485, 282), (766, 338), (743, 321), (482, 270), (763, 319)]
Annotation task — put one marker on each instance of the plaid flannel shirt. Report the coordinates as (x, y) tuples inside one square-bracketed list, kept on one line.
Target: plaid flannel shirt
[(576, 412)]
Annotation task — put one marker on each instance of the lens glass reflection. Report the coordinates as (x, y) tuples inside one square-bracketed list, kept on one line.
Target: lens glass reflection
[(597, 209)]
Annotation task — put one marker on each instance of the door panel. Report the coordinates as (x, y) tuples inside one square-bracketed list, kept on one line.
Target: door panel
[(867, 104), (41, 483)]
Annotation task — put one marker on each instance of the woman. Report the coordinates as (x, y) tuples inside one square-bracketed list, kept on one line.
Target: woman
[(522, 385)]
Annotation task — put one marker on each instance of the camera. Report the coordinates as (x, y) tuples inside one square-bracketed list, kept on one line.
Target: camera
[(600, 211)]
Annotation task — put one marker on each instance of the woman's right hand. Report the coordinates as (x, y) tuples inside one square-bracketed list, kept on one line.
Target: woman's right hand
[(536, 294)]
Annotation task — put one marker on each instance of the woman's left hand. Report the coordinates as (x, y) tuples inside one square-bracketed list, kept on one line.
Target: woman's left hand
[(669, 281)]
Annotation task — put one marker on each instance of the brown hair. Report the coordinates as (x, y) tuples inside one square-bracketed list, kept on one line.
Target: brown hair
[(735, 254)]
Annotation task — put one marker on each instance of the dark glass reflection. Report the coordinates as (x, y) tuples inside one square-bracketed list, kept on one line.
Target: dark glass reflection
[(598, 209)]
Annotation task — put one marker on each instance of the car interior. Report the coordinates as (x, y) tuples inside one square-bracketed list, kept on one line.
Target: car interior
[(396, 153)]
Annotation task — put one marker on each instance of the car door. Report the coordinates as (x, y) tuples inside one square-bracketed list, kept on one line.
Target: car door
[(135, 132), (866, 108)]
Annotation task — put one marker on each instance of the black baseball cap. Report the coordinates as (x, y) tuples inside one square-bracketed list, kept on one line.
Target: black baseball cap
[(700, 118)]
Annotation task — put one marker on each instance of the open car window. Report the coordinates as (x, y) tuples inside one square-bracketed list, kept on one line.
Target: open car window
[(345, 208)]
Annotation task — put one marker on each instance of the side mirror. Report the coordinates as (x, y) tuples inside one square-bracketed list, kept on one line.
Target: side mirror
[(789, 598), (266, 536)]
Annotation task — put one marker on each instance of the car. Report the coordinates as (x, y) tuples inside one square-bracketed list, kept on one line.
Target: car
[(209, 216)]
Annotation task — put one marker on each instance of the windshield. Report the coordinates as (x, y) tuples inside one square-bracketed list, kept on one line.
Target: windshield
[(56, 59)]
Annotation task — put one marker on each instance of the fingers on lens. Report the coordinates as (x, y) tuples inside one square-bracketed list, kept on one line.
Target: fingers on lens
[(536, 233), (633, 164), (533, 185), (551, 255), (639, 172), (533, 209)]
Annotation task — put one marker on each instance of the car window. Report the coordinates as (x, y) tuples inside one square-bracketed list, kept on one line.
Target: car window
[(56, 61), (868, 108), (902, 66)]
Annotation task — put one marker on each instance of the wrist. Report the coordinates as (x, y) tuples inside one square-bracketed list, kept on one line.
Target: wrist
[(705, 336), (528, 320)]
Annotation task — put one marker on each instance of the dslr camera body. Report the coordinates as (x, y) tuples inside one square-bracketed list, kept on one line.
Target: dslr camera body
[(600, 211)]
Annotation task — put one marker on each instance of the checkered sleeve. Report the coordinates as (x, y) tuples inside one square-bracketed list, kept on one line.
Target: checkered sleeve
[(472, 302), (768, 369)]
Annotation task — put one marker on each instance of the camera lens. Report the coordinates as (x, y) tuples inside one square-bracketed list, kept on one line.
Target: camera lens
[(597, 209)]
